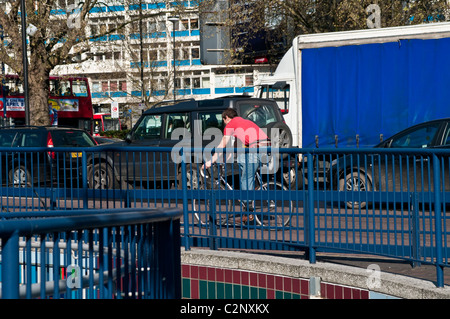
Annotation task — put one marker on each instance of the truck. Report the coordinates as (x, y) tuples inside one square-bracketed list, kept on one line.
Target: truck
[(354, 88)]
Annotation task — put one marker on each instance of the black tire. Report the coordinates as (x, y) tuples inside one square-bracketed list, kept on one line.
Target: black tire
[(193, 177), (194, 181), (100, 176), (280, 135), (274, 213), (19, 176), (224, 209), (355, 181), (293, 178)]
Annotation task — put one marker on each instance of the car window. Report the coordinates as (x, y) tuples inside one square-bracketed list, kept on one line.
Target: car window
[(6, 138), (420, 137), (446, 135), (148, 128), (27, 139), (71, 139), (260, 114), (211, 120), (175, 121)]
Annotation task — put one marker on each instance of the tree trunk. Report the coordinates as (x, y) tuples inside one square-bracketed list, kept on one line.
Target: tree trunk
[(38, 95)]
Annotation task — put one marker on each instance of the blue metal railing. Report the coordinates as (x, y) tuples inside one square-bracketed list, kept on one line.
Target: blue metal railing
[(371, 201), (121, 253)]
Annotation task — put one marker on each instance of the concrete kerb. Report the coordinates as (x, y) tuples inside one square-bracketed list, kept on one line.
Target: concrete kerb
[(390, 284)]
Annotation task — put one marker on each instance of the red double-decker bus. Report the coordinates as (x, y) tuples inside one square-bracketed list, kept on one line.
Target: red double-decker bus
[(103, 122), (69, 102)]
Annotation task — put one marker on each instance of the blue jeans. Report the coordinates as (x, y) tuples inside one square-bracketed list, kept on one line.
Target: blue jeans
[(248, 164)]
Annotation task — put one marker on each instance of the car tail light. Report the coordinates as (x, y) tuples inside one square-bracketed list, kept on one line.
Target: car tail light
[(50, 144)]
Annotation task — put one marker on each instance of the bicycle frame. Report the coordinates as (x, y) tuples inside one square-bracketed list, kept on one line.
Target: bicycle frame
[(222, 183)]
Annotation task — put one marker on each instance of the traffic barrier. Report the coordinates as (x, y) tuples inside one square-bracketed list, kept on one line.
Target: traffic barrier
[(387, 202), (93, 254)]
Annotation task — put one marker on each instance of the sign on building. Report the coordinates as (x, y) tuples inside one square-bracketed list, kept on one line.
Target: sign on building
[(114, 110)]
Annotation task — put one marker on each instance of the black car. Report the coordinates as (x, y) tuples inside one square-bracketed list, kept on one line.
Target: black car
[(43, 168), (200, 120), (396, 172), (106, 140)]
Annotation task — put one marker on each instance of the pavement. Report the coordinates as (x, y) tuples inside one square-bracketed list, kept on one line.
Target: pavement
[(425, 272)]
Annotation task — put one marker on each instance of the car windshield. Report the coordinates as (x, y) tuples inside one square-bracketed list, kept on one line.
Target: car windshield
[(148, 128), (72, 139)]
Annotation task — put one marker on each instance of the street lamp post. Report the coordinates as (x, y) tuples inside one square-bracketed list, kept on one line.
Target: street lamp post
[(141, 55), (25, 62), (174, 20)]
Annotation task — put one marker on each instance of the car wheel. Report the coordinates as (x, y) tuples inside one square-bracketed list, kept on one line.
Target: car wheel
[(19, 176), (293, 178), (100, 176), (281, 136), (285, 139), (355, 182), (192, 177)]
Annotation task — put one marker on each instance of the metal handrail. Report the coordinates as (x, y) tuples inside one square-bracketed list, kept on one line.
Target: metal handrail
[(12, 228)]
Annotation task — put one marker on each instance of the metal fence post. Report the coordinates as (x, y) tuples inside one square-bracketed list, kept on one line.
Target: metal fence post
[(84, 179), (10, 266), (310, 210), (212, 220), (415, 243), (438, 221), (185, 201)]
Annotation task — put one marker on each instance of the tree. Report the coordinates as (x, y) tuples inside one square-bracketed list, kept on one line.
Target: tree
[(51, 45), (285, 19), (60, 38), (352, 14)]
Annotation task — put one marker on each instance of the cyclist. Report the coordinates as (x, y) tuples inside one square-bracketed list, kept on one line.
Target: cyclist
[(249, 135)]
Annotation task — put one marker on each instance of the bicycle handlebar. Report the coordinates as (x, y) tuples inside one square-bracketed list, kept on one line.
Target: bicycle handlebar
[(202, 171)]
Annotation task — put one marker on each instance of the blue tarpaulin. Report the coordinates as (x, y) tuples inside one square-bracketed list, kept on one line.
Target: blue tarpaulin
[(373, 89)]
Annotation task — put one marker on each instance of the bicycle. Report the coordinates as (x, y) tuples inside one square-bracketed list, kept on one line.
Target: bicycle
[(271, 213)]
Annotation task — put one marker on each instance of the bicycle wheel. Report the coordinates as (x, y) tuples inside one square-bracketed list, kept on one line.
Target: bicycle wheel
[(274, 212), (202, 208)]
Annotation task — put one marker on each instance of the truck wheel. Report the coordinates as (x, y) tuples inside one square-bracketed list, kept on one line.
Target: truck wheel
[(355, 182)]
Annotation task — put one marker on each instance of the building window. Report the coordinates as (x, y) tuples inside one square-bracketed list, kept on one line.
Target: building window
[(186, 83), (108, 56), (100, 26), (123, 86), (184, 24), (95, 87), (113, 86), (205, 82), (194, 24), (195, 53)]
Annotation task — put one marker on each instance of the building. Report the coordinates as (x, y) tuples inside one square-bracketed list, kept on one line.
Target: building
[(134, 65)]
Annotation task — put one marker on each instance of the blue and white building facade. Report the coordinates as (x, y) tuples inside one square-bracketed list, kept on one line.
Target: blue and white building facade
[(114, 69)]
